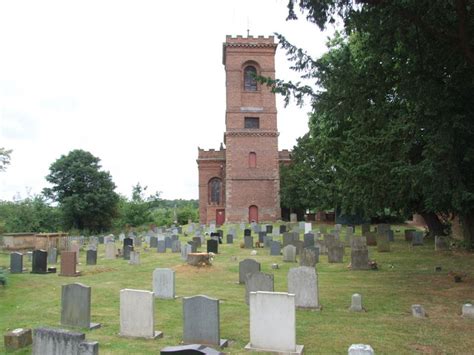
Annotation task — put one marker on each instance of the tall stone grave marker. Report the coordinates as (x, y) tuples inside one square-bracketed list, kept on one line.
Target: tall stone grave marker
[(137, 314), (126, 252), (39, 264), (164, 283), (359, 254), (273, 331), (91, 257), (336, 253), (303, 283), (68, 264), (185, 250), (161, 248), (212, 246), (76, 306), (383, 242), (16, 263), (201, 324)]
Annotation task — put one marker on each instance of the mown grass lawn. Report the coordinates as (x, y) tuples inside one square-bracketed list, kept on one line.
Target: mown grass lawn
[(406, 276)]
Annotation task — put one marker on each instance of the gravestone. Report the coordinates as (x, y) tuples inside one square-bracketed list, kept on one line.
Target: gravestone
[(137, 314), (330, 240), (248, 242), (17, 339), (247, 232), (359, 259), (168, 242), (282, 229), (468, 311), (383, 242), (91, 257), (267, 241), (212, 246), (418, 311), (309, 257), (371, 238), (365, 227), (185, 250), (197, 241), (360, 349), (307, 227), (39, 264), (356, 303), (193, 246), (68, 264), (383, 228), (76, 306), (289, 253), (409, 234), (275, 248), (161, 248), (76, 248), (309, 240), (126, 252), (359, 243), (164, 283), (321, 244), (287, 239), (261, 237), (127, 241), (258, 281), (441, 243), (175, 246), (269, 229), (52, 341), (153, 242), (293, 218), (246, 267), (193, 349), (201, 324), (110, 250), (417, 238), (336, 253), (134, 258), (101, 239), (16, 263), (229, 239), (303, 283), (52, 256), (273, 331)]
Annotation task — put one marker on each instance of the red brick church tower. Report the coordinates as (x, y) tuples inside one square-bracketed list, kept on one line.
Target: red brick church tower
[(241, 183)]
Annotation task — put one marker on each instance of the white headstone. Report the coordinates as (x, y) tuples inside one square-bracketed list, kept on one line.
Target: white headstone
[(137, 314), (307, 227), (303, 283), (468, 310), (356, 303), (272, 330), (164, 283), (360, 349)]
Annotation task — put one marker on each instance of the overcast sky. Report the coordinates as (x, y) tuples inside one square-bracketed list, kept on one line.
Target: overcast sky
[(139, 84)]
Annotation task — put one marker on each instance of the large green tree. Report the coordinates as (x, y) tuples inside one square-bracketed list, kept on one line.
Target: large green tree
[(84, 192), (393, 106)]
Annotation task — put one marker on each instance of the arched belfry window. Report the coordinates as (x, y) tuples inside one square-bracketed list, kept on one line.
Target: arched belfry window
[(250, 83), (215, 191)]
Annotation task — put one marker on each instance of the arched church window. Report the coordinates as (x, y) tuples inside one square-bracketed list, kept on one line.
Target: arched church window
[(250, 83), (215, 190), (252, 160)]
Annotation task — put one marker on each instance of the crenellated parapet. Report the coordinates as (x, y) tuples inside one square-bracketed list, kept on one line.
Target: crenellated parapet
[(211, 154), (284, 156)]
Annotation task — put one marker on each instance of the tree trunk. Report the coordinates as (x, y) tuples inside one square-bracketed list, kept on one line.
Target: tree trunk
[(467, 225), (198, 259), (434, 224)]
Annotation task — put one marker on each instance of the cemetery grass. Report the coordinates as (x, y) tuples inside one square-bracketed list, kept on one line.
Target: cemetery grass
[(406, 276)]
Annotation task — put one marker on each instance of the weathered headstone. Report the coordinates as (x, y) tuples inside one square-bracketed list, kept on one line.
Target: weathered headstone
[(201, 324), (161, 246), (110, 250), (365, 228), (417, 238), (62, 342), (308, 240), (185, 250), (271, 330), (303, 283), (229, 239), (39, 264), (441, 243), (269, 228), (418, 311), (153, 242), (371, 238), (175, 246), (309, 257), (261, 237), (91, 257), (76, 306), (134, 258), (282, 229), (52, 256), (168, 242), (193, 245), (289, 253), (336, 253), (293, 218), (383, 242), (212, 246), (258, 281), (68, 264), (356, 303), (275, 248), (126, 252), (468, 311), (197, 240), (360, 349), (76, 248), (17, 339), (16, 263), (267, 241), (164, 285), (246, 267), (248, 242), (137, 314)]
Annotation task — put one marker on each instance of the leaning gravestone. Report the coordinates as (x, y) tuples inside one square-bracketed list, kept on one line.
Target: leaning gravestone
[(271, 330), (275, 248), (164, 283), (201, 324), (91, 257), (212, 246), (246, 267), (16, 263), (248, 242), (289, 253), (303, 283), (62, 342), (137, 314), (76, 306), (258, 281)]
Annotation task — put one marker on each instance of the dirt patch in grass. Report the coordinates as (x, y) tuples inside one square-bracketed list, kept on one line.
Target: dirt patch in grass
[(424, 349), (186, 269), (98, 270)]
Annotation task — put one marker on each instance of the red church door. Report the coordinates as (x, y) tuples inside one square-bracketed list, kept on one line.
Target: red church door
[(220, 217), (253, 214)]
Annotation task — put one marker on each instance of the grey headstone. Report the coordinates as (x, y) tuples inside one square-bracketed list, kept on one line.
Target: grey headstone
[(201, 324), (134, 258), (153, 242), (303, 283), (164, 283), (168, 242), (185, 250), (248, 242), (336, 253), (356, 303), (91, 257), (360, 349), (269, 228), (193, 245), (76, 306), (89, 348), (309, 257), (309, 240), (56, 341), (365, 228), (16, 263), (161, 246), (289, 253), (417, 238), (197, 240), (383, 242), (282, 229), (175, 246), (126, 252), (52, 256), (418, 311), (246, 267), (261, 237), (359, 259), (275, 248), (258, 281), (267, 241), (229, 239)]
